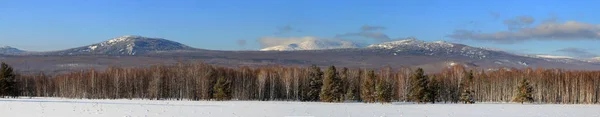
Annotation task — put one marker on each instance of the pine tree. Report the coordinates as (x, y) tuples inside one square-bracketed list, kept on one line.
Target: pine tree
[(222, 90), (524, 92), (383, 91), (418, 87), (432, 90), (368, 88), (7, 81), (350, 96), (315, 83), (331, 90), (345, 83), (337, 89), (466, 94)]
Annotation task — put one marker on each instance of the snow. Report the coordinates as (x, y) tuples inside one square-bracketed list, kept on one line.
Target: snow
[(311, 43), (553, 57), (93, 47), (594, 60), (55, 107), (432, 48)]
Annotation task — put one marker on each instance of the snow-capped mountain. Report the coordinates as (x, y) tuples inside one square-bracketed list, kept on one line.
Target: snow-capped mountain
[(441, 48), (564, 59), (10, 50), (312, 44), (594, 60), (126, 45)]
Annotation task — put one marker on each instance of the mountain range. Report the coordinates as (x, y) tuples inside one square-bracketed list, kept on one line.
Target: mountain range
[(138, 51), (10, 50)]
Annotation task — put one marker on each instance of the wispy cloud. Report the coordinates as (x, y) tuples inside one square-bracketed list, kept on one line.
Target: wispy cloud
[(286, 29), (519, 31), (372, 35), (371, 28), (366, 31), (519, 22), (241, 42), (496, 15)]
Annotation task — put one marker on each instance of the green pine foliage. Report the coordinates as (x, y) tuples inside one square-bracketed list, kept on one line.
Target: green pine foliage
[(315, 84), (432, 90), (418, 86), (383, 92), (466, 94), (524, 92), (7, 81), (368, 88), (350, 94), (331, 90), (222, 90)]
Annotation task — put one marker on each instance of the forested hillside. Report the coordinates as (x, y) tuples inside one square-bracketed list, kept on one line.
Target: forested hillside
[(199, 81)]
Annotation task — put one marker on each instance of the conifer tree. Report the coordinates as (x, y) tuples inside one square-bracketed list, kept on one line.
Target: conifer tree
[(222, 90), (7, 81), (466, 94), (524, 92), (337, 89), (368, 88), (418, 86), (432, 90), (383, 91), (345, 83), (331, 90), (315, 83), (350, 94)]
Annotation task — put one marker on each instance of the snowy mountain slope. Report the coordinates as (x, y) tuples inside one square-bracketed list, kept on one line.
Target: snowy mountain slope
[(126, 45), (593, 60), (312, 44), (440, 48), (10, 50), (561, 59)]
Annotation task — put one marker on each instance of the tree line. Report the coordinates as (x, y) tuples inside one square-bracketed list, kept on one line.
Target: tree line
[(200, 81)]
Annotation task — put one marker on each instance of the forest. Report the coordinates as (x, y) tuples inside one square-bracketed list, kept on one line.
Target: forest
[(200, 81)]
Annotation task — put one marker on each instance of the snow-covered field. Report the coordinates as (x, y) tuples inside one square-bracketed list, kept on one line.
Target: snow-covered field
[(54, 107)]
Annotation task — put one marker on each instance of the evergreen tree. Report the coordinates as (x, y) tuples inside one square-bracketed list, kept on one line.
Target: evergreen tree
[(315, 83), (331, 90), (345, 83), (368, 88), (466, 94), (432, 90), (7, 81), (222, 90), (350, 94), (418, 86), (337, 89), (383, 91), (524, 92)]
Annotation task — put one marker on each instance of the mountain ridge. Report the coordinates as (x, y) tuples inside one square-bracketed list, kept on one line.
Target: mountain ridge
[(137, 51), (125, 45), (10, 50)]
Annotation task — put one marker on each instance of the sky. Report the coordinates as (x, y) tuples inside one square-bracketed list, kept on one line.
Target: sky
[(554, 27)]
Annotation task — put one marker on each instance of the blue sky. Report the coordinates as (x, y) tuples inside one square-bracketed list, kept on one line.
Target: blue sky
[(42, 25)]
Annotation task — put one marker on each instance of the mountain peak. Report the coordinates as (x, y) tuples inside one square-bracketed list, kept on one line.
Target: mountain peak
[(414, 46), (10, 50), (127, 45)]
